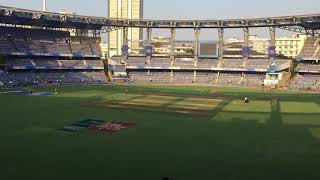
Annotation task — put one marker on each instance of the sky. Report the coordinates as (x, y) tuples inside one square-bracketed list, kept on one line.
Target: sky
[(187, 9)]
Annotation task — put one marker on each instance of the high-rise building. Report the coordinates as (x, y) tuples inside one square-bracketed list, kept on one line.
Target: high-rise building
[(126, 9)]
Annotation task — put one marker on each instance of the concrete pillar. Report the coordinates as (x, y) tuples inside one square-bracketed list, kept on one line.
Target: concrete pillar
[(221, 44), (125, 36), (125, 47), (272, 48), (148, 55), (172, 43), (196, 45), (171, 76), (149, 36), (246, 50), (149, 76)]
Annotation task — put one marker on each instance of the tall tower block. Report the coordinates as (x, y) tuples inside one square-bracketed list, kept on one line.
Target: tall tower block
[(44, 5), (126, 9)]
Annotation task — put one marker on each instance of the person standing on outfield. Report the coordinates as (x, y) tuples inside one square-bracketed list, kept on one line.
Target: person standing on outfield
[(55, 91), (246, 100), (126, 91)]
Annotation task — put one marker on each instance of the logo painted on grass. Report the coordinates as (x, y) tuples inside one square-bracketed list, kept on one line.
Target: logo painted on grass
[(81, 125), (112, 126)]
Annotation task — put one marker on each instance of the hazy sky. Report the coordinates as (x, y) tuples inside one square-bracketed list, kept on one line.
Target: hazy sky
[(187, 9)]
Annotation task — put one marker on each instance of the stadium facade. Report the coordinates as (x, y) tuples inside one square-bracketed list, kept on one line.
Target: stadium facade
[(125, 9), (36, 49)]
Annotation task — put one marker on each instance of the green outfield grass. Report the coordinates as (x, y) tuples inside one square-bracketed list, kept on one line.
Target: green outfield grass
[(183, 132)]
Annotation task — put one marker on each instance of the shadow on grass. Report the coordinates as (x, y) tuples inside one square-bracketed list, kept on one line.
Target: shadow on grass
[(219, 108), (275, 114)]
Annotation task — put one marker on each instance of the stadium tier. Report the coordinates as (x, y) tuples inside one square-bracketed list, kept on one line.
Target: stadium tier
[(311, 49), (232, 79), (258, 63), (307, 76), (229, 79), (42, 57), (55, 64), (202, 63), (159, 62), (304, 67), (20, 41), (206, 77), (136, 61), (306, 82), (139, 76), (236, 72), (184, 62), (30, 78), (233, 63), (207, 63), (183, 77)]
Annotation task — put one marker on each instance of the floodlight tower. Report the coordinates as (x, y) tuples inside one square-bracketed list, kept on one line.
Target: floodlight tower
[(44, 5)]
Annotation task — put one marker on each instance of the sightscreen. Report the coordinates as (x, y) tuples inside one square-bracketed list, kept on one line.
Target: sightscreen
[(208, 49)]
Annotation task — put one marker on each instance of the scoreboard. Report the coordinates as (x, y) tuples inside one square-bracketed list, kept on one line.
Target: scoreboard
[(208, 49)]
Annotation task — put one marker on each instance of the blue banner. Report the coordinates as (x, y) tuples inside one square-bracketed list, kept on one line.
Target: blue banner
[(149, 50), (125, 50), (272, 52), (246, 52)]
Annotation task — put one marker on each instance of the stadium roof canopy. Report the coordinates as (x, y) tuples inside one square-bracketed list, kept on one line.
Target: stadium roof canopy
[(11, 15)]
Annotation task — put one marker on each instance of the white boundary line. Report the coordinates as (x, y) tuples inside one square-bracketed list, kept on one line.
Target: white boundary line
[(7, 92)]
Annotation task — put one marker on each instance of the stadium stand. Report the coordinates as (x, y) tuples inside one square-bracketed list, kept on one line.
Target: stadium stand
[(207, 63), (138, 76), (183, 77), (159, 62), (258, 63), (184, 62), (85, 45), (206, 77), (252, 80), (311, 49), (41, 56), (232, 63), (7, 79), (15, 79), (306, 82), (308, 67), (229, 79), (307, 76), (161, 77), (136, 61), (27, 40), (200, 77), (233, 72)]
